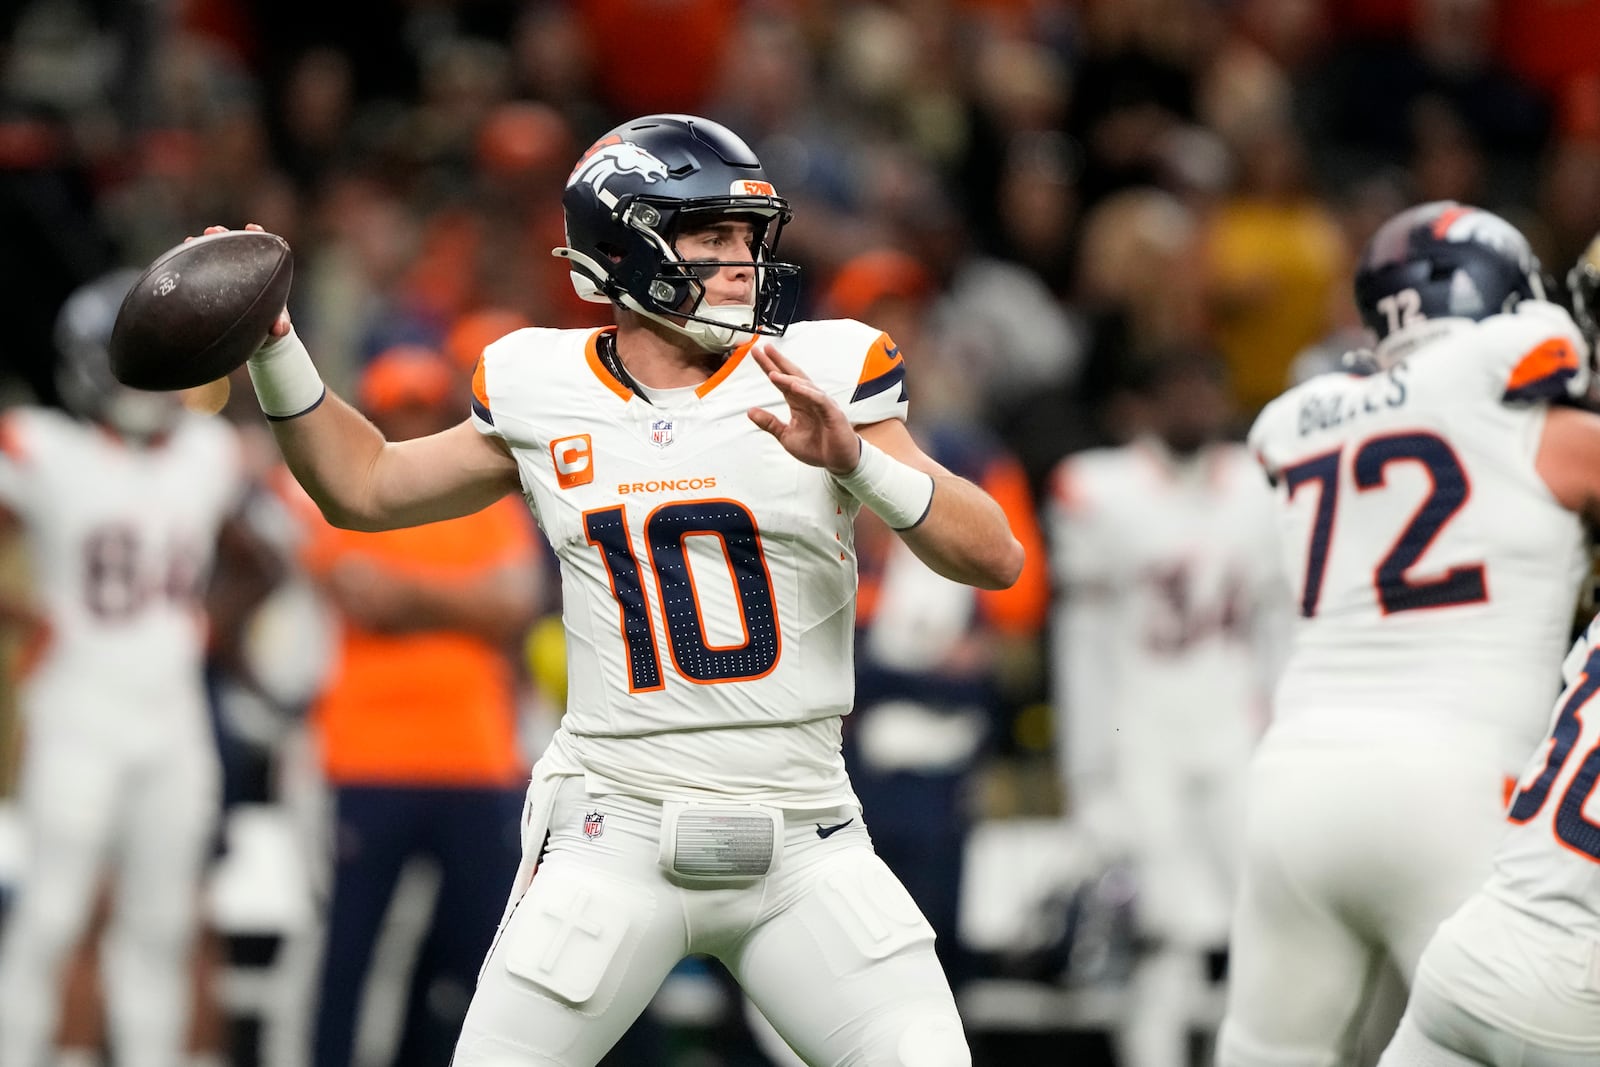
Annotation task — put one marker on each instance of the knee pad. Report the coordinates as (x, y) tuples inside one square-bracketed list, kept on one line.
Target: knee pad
[(933, 1041)]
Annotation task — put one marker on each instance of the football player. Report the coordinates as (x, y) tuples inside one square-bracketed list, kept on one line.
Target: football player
[(1166, 644), (698, 480), (1509, 980), (119, 511), (1432, 501)]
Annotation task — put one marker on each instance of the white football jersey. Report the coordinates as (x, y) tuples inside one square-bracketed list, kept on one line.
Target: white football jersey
[(121, 541), (708, 577), (1178, 561), (1548, 864), (1434, 573)]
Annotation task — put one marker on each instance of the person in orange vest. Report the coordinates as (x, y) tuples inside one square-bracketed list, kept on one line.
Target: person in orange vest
[(417, 725)]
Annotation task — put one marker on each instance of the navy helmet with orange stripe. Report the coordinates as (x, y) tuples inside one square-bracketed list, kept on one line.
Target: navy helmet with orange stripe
[(636, 189), (1444, 260)]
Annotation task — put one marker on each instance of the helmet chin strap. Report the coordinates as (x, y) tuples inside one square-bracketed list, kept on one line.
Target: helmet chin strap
[(731, 329)]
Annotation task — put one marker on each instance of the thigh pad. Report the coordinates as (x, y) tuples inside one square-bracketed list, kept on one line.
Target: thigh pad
[(573, 929)]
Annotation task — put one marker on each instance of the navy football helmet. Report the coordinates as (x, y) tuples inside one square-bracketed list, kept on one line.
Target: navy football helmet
[(83, 363), (635, 190), (1444, 259)]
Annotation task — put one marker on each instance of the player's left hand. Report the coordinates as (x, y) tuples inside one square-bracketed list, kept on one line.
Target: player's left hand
[(818, 431)]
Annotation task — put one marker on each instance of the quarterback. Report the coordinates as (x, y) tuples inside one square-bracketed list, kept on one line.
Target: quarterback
[(698, 481)]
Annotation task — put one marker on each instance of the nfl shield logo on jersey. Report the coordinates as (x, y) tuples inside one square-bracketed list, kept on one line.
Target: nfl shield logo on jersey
[(594, 824), (661, 432)]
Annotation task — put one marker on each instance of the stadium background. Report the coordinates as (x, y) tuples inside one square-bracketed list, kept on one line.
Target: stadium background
[(1079, 184)]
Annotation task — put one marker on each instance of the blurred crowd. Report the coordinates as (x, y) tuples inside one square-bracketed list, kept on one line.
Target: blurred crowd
[(1080, 181), (1044, 201)]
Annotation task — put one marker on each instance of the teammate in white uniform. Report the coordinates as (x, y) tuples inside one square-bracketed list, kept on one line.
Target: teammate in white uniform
[(1166, 643), (1512, 979), (1432, 515), (699, 484), (120, 512)]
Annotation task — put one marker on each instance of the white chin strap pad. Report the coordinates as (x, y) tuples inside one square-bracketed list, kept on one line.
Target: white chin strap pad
[(713, 337)]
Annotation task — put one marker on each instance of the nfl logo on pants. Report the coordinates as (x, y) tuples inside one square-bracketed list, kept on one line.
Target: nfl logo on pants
[(594, 824)]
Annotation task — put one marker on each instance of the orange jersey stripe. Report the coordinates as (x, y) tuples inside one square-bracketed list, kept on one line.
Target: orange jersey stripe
[(1547, 359), (480, 386), (882, 358), (733, 360), (591, 351)]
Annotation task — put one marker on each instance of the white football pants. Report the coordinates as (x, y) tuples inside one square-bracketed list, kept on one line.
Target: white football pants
[(829, 946), (142, 807), (1354, 852), (1501, 986)]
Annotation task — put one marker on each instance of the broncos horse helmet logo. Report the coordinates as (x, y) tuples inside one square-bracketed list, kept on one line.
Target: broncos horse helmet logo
[(611, 157)]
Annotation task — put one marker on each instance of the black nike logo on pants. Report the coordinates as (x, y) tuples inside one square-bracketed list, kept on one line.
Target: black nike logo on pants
[(828, 831)]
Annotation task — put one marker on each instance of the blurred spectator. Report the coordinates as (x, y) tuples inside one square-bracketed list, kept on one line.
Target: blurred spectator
[(1133, 83), (552, 62), (1017, 173), (1273, 256), (417, 726), (777, 94), (313, 131), (1036, 208), (641, 76), (1169, 606), (122, 511), (1567, 204), (52, 245), (475, 331), (1139, 293), (1363, 102), (995, 319)]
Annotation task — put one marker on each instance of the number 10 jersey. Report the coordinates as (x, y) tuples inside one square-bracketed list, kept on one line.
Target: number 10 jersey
[(708, 577)]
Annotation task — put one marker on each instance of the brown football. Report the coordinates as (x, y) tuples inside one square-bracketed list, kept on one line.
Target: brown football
[(201, 309)]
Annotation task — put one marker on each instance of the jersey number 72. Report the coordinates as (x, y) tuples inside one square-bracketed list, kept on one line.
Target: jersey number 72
[(1397, 590)]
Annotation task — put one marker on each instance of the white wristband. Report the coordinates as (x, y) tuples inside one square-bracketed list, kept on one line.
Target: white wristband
[(900, 494), (287, 383)]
